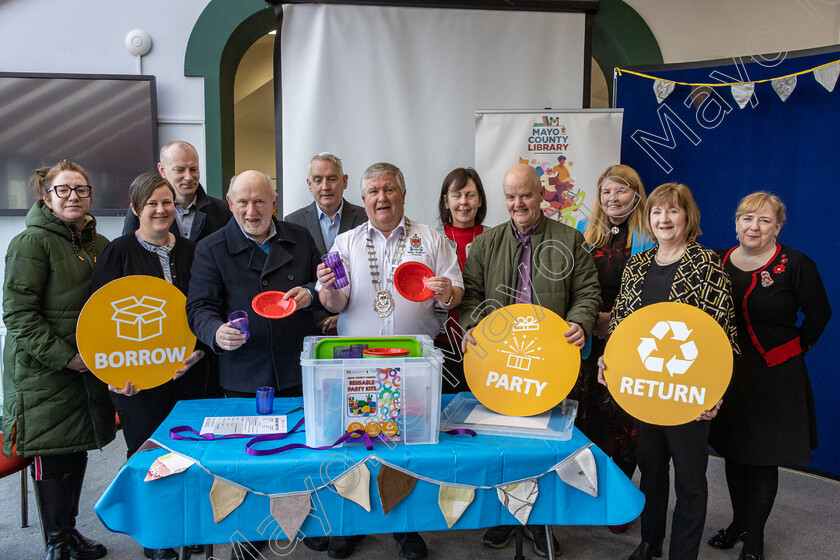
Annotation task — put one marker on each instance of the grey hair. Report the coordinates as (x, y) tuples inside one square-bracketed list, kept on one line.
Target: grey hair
[(268, 180), (382, 168), (180, 143), (327, 156)]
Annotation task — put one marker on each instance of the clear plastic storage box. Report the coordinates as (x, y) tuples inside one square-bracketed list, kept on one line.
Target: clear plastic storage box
[(465, 411), (399, 396)]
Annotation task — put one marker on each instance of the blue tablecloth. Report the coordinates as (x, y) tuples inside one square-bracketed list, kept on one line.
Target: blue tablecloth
[(176, 511)]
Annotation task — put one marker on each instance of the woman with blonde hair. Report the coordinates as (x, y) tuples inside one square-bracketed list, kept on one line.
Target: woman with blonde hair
[(615, 232), (768, 418)]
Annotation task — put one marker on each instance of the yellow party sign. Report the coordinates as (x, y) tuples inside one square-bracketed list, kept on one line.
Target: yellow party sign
[(522, 364), (668, 362), (135, 329)]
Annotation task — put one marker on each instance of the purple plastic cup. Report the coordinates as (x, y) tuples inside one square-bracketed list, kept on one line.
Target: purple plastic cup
[(239, 321), (333, 260), (265, 400)]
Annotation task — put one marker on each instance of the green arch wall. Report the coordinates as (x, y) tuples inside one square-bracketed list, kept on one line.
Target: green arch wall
[(219, 39), (620, 37)]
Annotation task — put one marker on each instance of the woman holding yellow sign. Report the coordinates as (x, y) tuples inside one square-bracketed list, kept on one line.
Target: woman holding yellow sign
[(676, 269), (54, 409), (769, 417), (152, 250)]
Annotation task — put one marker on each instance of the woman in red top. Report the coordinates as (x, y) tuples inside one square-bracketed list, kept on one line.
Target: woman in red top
[(768, 417), (462, 206)]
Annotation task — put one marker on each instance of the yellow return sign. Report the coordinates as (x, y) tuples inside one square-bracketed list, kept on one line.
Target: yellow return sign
[(668, 362)]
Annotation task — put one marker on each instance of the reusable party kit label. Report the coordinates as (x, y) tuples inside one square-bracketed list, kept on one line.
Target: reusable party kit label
[(373, 401)]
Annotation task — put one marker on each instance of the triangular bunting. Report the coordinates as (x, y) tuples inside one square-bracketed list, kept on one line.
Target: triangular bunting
[(827, 75), (519, 498), (453, 502), (742, 93), (393, 486), (149, 444), (662, 89), (168, 464), (225, 498), (784, 86), (354, 485), (290, 512), (581, 472)]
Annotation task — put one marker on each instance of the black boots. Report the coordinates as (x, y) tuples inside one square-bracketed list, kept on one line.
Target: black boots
[(81, 548), (58, 506), (646, 551), (53, 496)]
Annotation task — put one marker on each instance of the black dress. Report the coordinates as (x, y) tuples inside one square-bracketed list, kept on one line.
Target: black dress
[(599, 417), (768, 415)]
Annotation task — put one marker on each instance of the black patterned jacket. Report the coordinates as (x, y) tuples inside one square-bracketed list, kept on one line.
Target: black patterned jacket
[(700, 281)]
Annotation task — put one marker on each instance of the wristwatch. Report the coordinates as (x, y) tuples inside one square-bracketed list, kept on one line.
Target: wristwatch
[(451, 299), (312, 294)]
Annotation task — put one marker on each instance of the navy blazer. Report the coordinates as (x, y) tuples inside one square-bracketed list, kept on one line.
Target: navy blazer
[(351, 216), (228, 271), (211, 214)]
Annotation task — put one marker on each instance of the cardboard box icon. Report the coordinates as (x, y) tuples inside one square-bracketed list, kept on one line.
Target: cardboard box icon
[(138, 320)]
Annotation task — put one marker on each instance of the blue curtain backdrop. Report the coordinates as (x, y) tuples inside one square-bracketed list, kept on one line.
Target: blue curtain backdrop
[(704, 139)]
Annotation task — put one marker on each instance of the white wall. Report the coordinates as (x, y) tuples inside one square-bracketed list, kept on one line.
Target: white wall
[(88, 37), (692, 30)]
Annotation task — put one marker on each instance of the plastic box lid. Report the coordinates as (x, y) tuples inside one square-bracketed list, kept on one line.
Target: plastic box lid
[(465, 411)]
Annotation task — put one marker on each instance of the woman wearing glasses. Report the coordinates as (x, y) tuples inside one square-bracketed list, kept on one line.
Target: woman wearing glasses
[(54, 409)]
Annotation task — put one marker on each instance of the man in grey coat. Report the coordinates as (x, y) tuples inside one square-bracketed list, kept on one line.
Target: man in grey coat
[(328, 215)]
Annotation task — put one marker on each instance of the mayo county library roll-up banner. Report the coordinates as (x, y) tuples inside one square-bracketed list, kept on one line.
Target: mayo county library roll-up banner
[(569, 149)]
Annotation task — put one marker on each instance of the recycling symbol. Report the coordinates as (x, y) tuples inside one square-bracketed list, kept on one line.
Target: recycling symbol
[(674, 365)]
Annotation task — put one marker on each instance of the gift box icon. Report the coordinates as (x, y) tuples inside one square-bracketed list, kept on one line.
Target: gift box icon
[(138, 320), (526, 324)]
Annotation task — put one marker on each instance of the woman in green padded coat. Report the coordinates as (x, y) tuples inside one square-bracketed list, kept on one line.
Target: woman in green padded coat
[(54, 409)]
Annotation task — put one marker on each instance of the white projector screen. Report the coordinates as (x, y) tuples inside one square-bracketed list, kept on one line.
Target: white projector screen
[(402, 85)]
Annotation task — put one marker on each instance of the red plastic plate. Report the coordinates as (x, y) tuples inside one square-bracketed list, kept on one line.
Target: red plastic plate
[(271, 305), (385, 352), (408, 280)]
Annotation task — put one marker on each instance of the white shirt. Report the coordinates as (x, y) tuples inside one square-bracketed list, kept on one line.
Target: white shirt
[(422, 244)]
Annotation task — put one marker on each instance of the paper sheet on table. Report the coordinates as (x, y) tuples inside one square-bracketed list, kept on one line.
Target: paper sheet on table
[(226, 425), (486, 417)]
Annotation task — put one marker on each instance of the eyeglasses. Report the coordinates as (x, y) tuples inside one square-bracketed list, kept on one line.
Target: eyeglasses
[(63, 191)]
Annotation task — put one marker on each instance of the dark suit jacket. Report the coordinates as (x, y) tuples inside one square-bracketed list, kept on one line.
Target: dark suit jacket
[(228, 271), (211, 214), (351, 216)]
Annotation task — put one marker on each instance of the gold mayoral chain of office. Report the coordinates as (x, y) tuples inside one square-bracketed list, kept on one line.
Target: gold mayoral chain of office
[(383, 301)]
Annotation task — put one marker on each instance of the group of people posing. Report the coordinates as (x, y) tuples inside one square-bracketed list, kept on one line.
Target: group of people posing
[(634, 250)]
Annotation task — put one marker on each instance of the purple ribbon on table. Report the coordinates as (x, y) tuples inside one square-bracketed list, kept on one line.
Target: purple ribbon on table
[(366, 437), (175, 433)]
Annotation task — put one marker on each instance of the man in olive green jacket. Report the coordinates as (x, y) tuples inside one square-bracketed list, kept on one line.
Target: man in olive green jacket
[(530, 259)]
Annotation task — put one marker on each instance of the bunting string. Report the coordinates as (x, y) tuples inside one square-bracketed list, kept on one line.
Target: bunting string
[(375, 457), (620, 71)]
